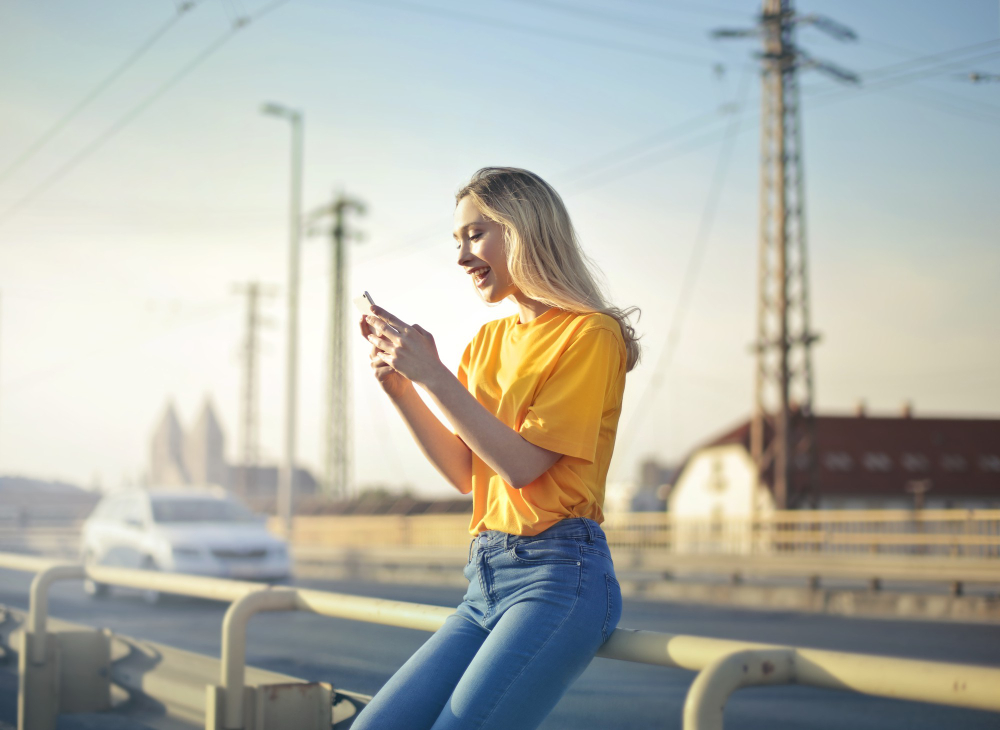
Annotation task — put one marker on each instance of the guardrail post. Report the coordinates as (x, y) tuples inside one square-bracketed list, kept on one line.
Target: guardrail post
[(707, 697), (228, 705), (38, 664)]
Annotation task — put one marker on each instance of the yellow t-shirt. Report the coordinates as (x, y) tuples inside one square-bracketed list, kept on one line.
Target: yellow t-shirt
[(558, 381)]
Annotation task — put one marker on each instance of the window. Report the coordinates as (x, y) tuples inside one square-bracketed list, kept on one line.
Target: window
[(877, 461), (915, 462), (131, 511), (200, 510), (989, 462), (839, 461)]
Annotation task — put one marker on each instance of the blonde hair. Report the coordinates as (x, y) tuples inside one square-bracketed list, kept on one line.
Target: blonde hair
[(544, 257)]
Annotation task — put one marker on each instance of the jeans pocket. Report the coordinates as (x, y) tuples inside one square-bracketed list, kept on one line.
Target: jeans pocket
[(614, 614), (546, 552)]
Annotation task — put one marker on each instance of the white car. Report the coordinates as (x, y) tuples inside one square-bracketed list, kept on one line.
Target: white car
[(184, 531)]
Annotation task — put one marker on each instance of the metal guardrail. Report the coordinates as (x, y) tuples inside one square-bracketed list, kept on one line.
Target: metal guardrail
[(723, 665)]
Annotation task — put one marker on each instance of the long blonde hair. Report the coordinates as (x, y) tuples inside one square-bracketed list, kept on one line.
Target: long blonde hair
[(543, 255)]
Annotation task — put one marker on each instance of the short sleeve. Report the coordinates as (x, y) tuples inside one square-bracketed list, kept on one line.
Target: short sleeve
[(565, 416)]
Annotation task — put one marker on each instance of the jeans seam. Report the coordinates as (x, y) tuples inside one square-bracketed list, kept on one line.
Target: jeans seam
[(524, 666), (608, 579), (481, 565)]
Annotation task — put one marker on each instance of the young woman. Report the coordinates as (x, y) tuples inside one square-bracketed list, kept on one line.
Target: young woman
[(534, 410)]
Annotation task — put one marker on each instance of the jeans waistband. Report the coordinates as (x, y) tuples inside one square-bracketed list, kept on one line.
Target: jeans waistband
[(573, 527)]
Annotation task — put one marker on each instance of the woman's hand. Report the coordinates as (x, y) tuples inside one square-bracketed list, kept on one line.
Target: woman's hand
[(393, 383), (409, 350)]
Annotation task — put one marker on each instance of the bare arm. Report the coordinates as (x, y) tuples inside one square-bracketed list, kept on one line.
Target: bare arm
[(518, 461), (410, 351), (446, 451)]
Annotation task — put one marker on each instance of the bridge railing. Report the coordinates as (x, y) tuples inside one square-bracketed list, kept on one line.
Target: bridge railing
[(722, 665), (939, 533)]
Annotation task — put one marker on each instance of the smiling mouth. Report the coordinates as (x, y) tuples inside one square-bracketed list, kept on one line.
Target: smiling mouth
[(479, 276)]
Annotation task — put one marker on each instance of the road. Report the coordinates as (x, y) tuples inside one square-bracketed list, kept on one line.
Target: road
[(610, 694)]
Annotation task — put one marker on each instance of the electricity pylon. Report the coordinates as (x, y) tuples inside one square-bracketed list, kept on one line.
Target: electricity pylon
[(249, 424), (338, 432), (782, 433)]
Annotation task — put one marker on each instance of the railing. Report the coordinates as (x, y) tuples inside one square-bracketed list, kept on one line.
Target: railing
[(935, 533), (723, 665)]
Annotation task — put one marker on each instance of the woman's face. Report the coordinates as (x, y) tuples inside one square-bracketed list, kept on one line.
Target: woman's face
[(480, 252)]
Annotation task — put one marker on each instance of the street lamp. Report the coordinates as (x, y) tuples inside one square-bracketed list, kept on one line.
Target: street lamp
[(286, 480)]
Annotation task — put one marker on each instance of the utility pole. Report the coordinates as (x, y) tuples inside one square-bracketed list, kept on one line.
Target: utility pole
[(249, 427), (337, 428), (286, 478), (1, 333), (782, 433)]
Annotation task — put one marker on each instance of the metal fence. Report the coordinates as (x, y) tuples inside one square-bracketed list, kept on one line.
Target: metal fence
[(937, 533), (723, 666)]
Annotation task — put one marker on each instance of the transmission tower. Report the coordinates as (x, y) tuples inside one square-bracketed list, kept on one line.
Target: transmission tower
[(782, 433), (249, 427), (337, 427)]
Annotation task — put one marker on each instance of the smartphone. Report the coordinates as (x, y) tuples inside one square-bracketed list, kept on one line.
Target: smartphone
[(364, 303)]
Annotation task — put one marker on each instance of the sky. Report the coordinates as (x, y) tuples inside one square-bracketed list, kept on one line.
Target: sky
[(123, 237)]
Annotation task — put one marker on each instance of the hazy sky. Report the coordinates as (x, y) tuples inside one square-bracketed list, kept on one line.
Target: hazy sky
[(116, 278)]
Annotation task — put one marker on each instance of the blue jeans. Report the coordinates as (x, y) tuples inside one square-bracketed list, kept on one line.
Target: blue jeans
[(536, 611)]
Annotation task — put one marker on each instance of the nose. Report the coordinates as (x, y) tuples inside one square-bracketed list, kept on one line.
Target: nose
[(464, 253)]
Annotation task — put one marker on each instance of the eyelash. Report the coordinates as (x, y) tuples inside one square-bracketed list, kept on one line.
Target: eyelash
[(473, 237)]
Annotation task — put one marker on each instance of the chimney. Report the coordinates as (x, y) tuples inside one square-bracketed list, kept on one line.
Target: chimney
[(907, 410), (860, 409)]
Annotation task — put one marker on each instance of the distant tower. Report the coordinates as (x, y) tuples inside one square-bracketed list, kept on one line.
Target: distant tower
[(204, 449), (166, 462), (782, 430), (249, 434), (337, 441)]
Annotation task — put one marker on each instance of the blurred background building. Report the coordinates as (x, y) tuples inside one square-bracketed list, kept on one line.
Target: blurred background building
[(196, 458), (864, 462)]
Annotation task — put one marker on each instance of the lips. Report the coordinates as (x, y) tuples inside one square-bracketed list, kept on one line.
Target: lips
[(479, 275)]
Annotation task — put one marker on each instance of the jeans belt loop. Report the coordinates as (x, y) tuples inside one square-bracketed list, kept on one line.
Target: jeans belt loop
[(590, 530)]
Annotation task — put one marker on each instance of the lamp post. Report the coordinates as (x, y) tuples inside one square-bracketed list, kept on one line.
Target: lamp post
[(286, 479)]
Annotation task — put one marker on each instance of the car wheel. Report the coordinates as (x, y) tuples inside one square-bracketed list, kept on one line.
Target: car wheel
[(150, 595), (90, 586)]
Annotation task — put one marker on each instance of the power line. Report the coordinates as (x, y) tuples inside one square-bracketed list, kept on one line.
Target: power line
[(531, 30), (891, 82), (641, 26), (937, 56), (135, 111), (693, 268), (642, 146), (643, 157), (948, 108), (690, 7), (132, 59)]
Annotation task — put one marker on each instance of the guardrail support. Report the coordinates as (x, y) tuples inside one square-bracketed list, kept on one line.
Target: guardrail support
[(706, 700), (45, 659), (38, 605), (227, 706)]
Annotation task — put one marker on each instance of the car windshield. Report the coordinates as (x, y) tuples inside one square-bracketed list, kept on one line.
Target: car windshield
[(200, 510)]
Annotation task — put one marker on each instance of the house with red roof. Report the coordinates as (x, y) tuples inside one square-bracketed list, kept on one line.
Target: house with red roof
[(864, 462)]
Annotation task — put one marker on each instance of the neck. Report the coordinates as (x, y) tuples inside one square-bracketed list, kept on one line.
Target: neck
[(529, 309)]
